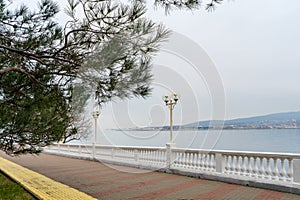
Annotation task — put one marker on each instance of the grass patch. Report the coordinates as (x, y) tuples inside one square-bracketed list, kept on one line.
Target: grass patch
[(10, 190)]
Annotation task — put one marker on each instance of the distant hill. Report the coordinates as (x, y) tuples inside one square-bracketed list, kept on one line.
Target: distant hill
[(285, 120), (277, 120)]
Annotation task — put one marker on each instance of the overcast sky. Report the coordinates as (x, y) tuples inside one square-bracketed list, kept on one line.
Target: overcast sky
[(252, 48), (255, 47)]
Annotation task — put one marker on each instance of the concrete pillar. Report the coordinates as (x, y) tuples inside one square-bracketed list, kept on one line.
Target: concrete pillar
[(220, 163), (94, 151), (169, 153), (296, 170)]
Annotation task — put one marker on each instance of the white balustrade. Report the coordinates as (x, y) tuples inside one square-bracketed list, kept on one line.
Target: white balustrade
[(264, 167)]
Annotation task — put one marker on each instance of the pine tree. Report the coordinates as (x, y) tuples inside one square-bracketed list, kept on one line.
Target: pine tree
[(43, 65)]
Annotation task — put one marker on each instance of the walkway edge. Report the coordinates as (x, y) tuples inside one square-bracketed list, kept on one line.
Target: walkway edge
[(39, 185)]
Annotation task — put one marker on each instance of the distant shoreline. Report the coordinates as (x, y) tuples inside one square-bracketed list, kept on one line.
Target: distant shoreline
[(200, 129)]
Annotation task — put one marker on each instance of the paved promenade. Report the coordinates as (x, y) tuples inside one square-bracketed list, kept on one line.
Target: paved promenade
[(105, 181)]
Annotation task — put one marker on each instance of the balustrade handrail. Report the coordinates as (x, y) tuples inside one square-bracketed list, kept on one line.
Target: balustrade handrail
[(240, 153), (225, 152)]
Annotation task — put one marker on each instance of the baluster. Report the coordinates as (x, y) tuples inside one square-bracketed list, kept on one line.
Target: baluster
[(243, 165), (249, 168), (191, 160), (275, 170), (226, 164), (265, 167), (282, 171), (254, 169), (186, 161), (183, 160), (191, 163), (142, 156), (207, 159), (238, 165), (204, 161), (268, 174), (151, 158), (196, 161), (231, 166), (145, 156), (187, 158), (162, 158), (159, 156), (290, 170), (214, 163), (176, 159), (175, 162), (211, 162), (201, 161), (261, 167), (196, 157)]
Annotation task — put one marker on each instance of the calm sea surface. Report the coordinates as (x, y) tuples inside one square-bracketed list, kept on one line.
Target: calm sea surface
[(268, 140)]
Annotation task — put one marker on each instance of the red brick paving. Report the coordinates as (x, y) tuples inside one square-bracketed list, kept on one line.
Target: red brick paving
[(269, 195), (117, 182), (135, 185), (217, 193), (120, 179), (162, 192)]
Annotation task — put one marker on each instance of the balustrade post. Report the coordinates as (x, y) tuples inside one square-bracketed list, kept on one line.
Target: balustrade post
[(94, 151), (169, 155), (113, 153), (220, 163), (136, 156), (296, 170)]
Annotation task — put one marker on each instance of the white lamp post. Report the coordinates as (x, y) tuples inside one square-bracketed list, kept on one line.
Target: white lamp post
[(171, 101), (96, 114)]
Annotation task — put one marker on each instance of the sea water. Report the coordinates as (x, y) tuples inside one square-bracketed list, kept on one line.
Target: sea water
[(258, 140)]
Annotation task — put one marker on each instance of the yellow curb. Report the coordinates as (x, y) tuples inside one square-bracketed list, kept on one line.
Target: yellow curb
[(41, 186)]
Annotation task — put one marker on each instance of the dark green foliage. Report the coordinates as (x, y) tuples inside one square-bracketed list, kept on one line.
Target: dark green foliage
[(187, 4), (48, 72), (33, 79)]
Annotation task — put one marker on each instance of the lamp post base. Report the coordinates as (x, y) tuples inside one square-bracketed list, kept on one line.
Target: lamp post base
[(171, 145)]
